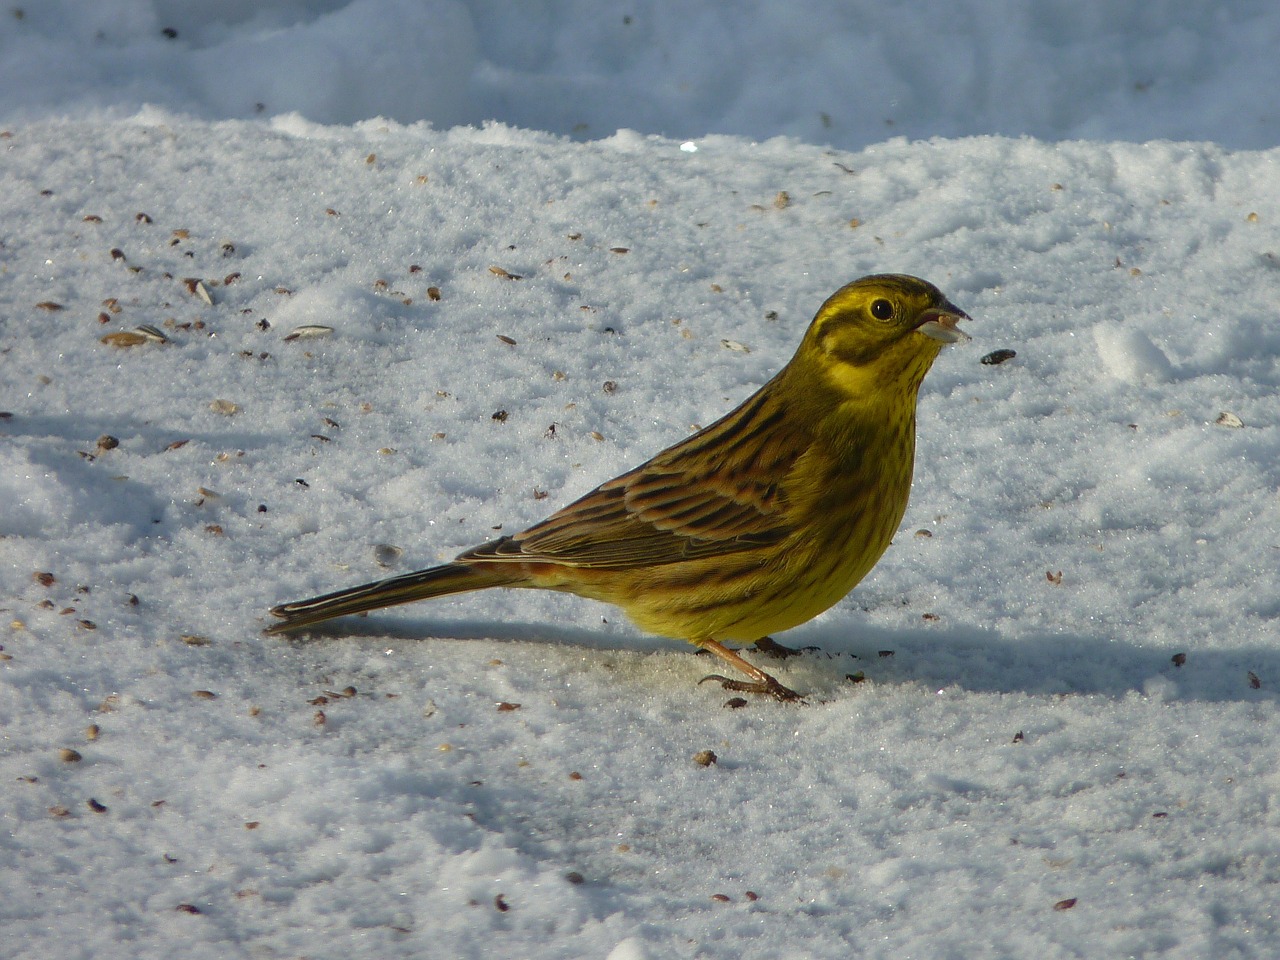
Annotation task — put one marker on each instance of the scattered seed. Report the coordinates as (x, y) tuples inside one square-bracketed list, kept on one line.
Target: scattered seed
[(59, 811), (50, 305), (309, 331), (506, 706), (86, 625), (177, 444), (705, 758), (151, 333), (194, 640), (782, 200), (44, 578), (204, 694), (735, 345), (735, 703), (996, 357), (610, 386), (596, 435), (386, 555), (67, 755), (433, 293), (142, 218), (91, 218), (124, 338), (884, 653), (1179, 659), (858, 677), (95, 806), (500, 904), (117, 254), (224, 407), (319, 720), (507, 340), (213, 528), (196, 287), (1254, 681), (854, 222), (575, 775), (1065, 904), (1018, 737), (574, 877), (499, 415), (499, 272), (720, 898), (1227, 419), (187, 908), (1054, 578)]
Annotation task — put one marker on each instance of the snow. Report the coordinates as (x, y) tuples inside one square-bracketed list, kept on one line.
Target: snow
[(1064, 742)]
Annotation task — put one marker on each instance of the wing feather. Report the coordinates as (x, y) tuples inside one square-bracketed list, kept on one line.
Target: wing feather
[(722, 490)]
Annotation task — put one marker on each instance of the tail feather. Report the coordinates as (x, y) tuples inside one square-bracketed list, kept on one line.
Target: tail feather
[(421, 585)]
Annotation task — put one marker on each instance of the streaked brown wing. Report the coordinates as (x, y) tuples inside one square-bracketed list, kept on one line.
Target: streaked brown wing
[(719, 491)]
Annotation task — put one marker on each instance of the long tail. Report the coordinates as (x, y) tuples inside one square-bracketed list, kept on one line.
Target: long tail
[(422, 585)]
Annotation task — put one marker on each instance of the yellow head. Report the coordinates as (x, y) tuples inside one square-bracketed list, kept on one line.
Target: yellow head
[(880, 334)]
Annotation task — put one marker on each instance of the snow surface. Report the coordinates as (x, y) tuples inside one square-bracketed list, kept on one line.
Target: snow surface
[(1031, 773)]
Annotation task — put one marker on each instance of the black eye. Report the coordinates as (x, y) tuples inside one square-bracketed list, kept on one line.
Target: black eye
[(882, 309)]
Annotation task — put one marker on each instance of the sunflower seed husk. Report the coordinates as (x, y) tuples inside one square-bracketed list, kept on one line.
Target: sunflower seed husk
[(309, 331)]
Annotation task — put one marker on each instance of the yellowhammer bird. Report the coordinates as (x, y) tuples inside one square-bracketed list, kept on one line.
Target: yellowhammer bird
[(754, 524)]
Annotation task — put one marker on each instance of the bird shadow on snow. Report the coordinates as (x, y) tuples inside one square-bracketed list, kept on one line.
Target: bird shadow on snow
[(966, 659)]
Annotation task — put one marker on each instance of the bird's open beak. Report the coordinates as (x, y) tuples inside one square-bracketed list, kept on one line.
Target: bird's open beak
[(940, 324)]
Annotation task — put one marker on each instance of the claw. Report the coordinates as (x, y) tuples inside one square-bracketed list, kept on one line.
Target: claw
[(767, 687)]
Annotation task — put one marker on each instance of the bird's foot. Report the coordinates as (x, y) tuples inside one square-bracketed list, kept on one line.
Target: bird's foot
[(768, 687), (760, 681)]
